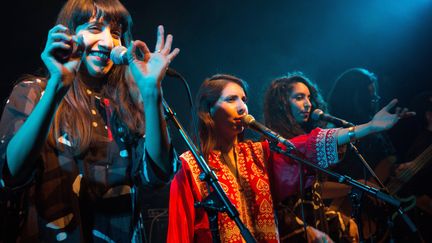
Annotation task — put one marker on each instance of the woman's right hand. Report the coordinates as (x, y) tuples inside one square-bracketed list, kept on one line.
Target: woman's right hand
[(384, 120), (59, 59)]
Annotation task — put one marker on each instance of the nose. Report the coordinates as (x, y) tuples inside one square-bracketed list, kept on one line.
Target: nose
[(307, 104), (106, 41), (242, 108)]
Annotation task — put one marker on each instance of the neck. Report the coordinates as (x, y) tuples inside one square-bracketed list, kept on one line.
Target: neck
[(93, 83), (226, 145)]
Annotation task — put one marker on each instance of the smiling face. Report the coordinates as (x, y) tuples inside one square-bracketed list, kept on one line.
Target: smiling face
[(299, 101), (99, 37), (228, 111)]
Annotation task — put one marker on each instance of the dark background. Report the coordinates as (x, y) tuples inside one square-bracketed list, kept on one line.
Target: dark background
[(258, 41)]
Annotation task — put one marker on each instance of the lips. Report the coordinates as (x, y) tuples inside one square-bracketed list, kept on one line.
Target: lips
[(238, 121), (304, 113), (100, 55)]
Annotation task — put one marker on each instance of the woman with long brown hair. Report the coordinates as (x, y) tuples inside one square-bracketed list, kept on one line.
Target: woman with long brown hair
[(242, 166), (73, 141)]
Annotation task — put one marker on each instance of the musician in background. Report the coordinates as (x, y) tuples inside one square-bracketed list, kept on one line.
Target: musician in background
[(414, 175), (354, 97)]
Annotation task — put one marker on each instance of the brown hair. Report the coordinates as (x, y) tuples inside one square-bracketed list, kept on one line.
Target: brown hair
[(73, 115), (207, 96)]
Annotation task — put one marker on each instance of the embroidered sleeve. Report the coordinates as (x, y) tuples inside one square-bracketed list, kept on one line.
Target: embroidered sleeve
[(319, 146), (325, 143), (18, 107)]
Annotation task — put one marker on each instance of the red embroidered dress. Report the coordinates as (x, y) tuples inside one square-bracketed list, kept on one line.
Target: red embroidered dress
[(250, 193)]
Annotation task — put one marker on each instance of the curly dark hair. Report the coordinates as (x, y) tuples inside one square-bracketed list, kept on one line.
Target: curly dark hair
[(277, 110)]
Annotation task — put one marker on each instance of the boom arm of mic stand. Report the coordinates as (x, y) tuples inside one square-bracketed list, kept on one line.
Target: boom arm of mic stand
[(210, 177), (348, 180), (367, 166)]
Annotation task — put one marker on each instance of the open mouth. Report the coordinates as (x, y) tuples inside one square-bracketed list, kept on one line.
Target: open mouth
[(100, 55)]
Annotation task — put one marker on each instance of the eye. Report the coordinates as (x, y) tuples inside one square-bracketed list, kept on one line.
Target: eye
[(245, 99), (116, 33), (95, 28), (231, 98), (299, 97)]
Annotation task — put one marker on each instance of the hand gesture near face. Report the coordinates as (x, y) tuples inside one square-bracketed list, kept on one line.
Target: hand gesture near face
[(59, 57), (149, 72)]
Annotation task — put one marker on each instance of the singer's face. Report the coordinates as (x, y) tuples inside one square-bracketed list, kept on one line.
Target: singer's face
[(228, 110), (300, 103), (99, 38)]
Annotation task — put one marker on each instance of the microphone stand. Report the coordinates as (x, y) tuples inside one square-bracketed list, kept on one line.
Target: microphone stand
[(355, 184), (217, 200), (356, 196)]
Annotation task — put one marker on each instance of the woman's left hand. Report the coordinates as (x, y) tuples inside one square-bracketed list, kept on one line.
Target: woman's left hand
[(384, 120), (149, 71)]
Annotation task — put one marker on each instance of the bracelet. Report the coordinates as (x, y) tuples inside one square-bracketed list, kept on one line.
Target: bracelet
[(351, 134)]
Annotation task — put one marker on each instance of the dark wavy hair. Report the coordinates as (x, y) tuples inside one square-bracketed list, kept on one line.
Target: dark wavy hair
[(207, 96), (277, 110)]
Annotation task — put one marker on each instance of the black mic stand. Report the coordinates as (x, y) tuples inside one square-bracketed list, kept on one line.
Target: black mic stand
[(217, 200), (356, 196), (355, 184)]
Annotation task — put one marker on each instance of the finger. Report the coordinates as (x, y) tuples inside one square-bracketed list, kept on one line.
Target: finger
[(168, 42), (160, 38), (390, 105), (142, 46), (173, 54), (408, 114), (57, 28), (52, 51), (398, 111), (61, 36), (403, 111)]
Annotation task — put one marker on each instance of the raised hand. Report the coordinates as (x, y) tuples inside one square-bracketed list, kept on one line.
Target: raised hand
[(149, 72), (384, 120), (62, 69)]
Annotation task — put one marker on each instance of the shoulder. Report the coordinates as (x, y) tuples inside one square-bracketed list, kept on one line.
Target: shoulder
[(30, 88)]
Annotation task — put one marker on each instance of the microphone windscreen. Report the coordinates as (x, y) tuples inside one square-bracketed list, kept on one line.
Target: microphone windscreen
[(248, 119), (118, 55), (316, 114)]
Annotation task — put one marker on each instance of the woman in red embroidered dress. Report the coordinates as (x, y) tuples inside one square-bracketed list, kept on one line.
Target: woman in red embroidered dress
[(288, 103), (241, 166)]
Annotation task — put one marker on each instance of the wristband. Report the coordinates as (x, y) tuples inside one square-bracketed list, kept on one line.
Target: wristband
[(351, 134)]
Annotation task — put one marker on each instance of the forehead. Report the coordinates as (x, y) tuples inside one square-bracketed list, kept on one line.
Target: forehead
[(233, 89), (300, 88)]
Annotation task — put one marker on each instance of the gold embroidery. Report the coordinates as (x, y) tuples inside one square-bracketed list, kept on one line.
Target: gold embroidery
[(254, 203), (266, 207)]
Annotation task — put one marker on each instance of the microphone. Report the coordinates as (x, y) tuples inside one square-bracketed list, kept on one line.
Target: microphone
[(318, 114), (119, 57), (250, 122)]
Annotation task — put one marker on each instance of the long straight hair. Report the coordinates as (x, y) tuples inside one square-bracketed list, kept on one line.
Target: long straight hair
[(207, 96), (73, 115)]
